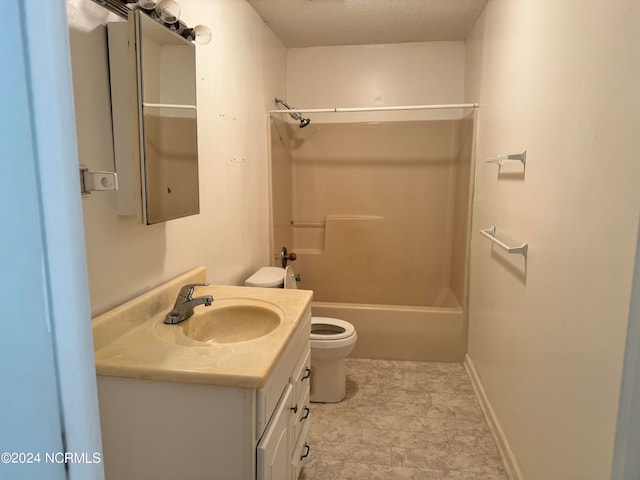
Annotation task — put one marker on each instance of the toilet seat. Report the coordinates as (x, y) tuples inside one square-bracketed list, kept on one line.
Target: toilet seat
[(335, 329)]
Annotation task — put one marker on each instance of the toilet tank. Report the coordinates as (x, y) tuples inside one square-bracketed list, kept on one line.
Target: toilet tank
[(267, 277)]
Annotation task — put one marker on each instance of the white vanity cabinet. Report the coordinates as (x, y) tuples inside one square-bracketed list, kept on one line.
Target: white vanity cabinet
[(283, 447), (302, 413), (168, 430)]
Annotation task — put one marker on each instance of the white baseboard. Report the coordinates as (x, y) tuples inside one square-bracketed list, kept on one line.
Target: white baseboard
[(508, 458)]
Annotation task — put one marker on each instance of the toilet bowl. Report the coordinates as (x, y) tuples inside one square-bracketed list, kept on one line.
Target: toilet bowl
[(331, 340)]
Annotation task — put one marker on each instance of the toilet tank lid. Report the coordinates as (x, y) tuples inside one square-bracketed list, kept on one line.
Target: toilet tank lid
[(266, 277)]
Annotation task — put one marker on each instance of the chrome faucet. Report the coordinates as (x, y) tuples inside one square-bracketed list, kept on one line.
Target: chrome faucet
[(185, 302)]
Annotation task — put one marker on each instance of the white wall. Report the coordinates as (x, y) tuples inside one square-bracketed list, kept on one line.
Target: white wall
[(375, 75), (547, 334), (238, 75)]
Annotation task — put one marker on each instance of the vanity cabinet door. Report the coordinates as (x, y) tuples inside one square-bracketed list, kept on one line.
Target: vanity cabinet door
[(300, 452), (274, 449), (300, 432)]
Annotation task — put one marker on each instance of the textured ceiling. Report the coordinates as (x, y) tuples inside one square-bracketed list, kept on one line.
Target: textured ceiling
[(309, 23)]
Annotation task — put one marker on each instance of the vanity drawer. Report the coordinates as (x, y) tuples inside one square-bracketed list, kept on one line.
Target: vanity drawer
[(302, 415), (301, 375)]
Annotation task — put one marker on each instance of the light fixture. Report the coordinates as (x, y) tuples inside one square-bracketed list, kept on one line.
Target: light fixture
[(165, 12), (147, 4), (199, 34), (168, 11)]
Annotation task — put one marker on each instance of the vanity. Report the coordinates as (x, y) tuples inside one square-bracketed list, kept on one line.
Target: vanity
[(223, 395)]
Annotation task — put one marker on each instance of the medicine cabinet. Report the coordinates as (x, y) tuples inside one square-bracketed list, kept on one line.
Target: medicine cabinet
[(153, 97)]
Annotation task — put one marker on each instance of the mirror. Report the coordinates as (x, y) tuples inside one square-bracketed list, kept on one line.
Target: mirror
[(169, 150), (155, 120)]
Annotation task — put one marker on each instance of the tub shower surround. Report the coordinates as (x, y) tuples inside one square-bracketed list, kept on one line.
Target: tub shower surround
[(378, 214)]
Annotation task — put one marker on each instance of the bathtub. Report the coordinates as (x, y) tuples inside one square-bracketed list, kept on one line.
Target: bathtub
[(393, 332)]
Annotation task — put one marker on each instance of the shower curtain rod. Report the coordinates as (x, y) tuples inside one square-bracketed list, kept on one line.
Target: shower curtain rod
[(375, 109)]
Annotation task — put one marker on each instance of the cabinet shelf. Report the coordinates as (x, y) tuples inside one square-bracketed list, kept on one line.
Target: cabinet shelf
[(168, 105)]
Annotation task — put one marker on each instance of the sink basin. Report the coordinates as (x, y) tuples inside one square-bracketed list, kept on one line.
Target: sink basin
[(230, 324), (226, 321)]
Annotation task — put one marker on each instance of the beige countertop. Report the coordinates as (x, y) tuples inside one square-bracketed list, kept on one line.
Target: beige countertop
[(132, 341)]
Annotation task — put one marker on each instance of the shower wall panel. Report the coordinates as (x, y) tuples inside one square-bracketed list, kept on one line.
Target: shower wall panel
[(374, 210), (462, 171), (280, 173)]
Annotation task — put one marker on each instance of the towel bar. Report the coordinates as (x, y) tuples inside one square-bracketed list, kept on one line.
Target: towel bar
[(500, 159), (490, 233)]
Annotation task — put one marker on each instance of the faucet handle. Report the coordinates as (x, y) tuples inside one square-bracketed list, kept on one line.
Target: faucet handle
[(187, 290)]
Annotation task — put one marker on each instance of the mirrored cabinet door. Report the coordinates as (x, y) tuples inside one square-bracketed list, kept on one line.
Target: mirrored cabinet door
[(157, 102), (168, 116)]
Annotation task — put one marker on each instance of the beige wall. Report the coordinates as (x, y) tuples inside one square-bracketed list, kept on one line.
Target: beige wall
[(376, 75), (238, 74), (547, 334)]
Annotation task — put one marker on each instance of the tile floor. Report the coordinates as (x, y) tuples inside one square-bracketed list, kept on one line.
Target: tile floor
[(402, 420)]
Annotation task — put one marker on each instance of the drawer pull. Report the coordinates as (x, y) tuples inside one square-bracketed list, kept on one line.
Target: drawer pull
[(295, 408), (306, 415), (307, 450), (307, 373)]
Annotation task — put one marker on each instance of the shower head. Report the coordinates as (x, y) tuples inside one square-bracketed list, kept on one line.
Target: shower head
[(295, 115), (304, 122)]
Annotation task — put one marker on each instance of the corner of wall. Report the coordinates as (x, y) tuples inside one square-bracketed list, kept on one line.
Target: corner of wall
[(508, 458)]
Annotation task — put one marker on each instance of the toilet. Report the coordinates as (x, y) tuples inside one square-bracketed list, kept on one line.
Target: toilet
[(331, 340)]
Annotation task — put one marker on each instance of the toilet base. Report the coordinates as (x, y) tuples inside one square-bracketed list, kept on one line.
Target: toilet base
[(328, 380)]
